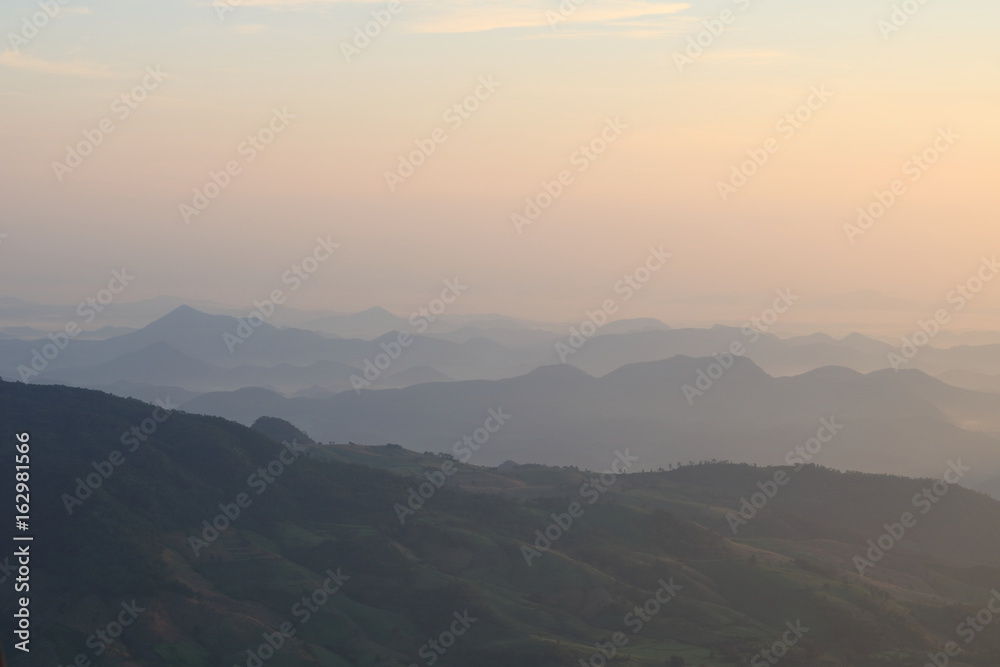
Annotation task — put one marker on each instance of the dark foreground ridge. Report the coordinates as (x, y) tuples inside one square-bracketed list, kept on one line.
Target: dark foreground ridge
[(165, 538)]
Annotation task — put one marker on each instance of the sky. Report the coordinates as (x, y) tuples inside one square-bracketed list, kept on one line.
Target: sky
[(830, 102)]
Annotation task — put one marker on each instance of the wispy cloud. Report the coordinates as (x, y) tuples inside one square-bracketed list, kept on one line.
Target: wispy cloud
[(16, 60), (287, 4), (492, 15)]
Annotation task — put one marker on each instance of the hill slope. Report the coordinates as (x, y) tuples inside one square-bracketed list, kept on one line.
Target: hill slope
[(328, 519)]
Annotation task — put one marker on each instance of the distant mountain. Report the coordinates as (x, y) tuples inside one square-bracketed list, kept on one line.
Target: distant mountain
[(902, 423), (195, 333), (974, 381), (329, 374), (127, 314), (157, 363), (411, 376), (605, 353), (294, 358), (33, 333), (234, 353), (367, 324)]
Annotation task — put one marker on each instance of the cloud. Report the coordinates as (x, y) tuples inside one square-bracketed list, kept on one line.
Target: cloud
[(492, 15), (15, 60), (285, 4), (471, 16)]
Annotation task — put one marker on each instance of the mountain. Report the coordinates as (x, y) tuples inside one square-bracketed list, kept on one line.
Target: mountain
[(33, 333), (668, 411), (157, 363), (319, 564), (370, 323), (411, 376), (974, 381), (605, 353), (195, 333), (281, 431), (201, 352), (230, 343), (329, 374)]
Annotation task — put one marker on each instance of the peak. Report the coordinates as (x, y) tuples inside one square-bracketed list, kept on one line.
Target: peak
[(185, 312), (375, 310), (186, 318), (182, 310)]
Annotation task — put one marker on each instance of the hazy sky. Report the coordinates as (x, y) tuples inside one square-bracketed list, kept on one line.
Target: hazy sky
[(677, 130)]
